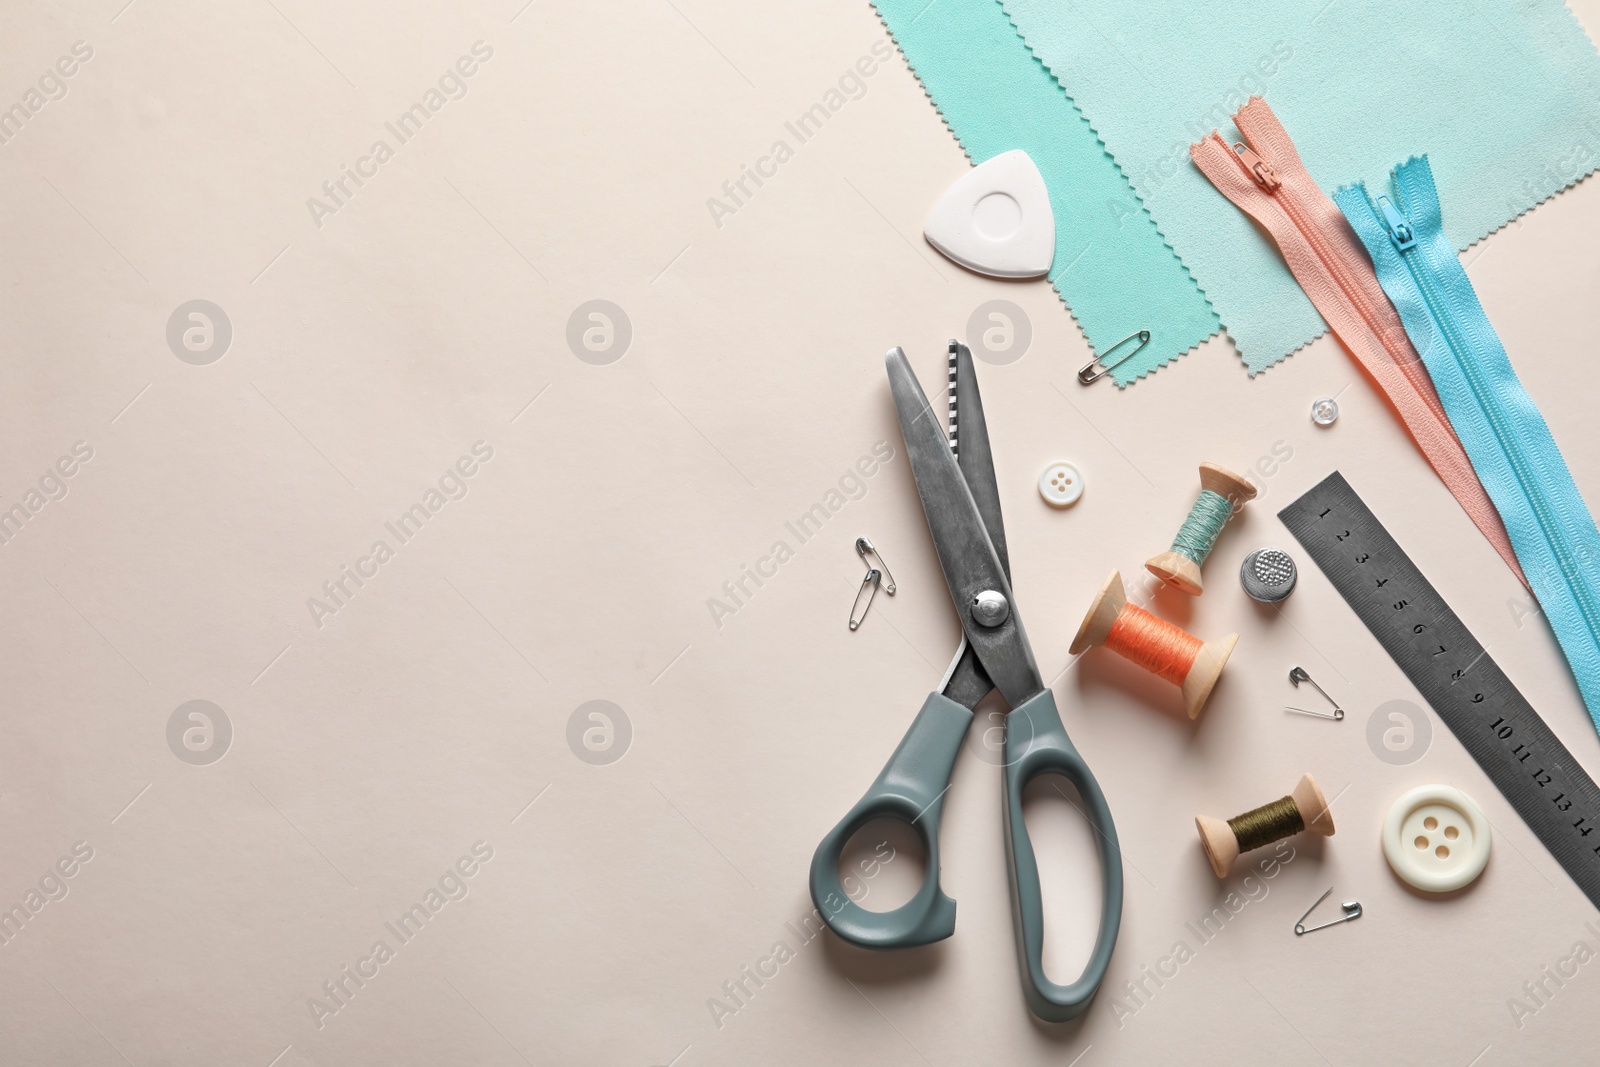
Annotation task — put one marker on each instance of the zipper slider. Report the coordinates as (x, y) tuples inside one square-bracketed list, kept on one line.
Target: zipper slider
[(1259, 168), (1398, 225)]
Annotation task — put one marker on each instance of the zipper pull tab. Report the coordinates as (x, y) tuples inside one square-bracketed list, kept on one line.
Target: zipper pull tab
[(1259, 168), (1398, 225)]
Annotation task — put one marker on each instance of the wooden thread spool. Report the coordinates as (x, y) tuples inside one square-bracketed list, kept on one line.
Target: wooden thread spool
[(1179, 566), (1154, 644), (1303, 809)]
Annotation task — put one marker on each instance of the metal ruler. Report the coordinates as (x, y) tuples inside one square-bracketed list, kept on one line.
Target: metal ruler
[(1530, 767)]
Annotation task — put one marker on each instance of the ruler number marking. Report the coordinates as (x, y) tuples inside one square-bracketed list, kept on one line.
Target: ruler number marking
[(1436, 651)]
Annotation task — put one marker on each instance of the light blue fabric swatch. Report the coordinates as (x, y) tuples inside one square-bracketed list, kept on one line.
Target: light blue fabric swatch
[(1112, 267), (1503, 94), (1500, 427)]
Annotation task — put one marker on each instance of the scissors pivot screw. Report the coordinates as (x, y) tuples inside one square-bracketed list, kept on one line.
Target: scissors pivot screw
[(990, 608)]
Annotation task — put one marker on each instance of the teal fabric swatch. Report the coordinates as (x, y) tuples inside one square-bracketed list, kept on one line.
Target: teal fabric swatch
[(1500, 427), (1112, 267), (1503, 94)]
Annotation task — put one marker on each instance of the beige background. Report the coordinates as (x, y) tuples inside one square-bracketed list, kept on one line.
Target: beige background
[(430, 712)]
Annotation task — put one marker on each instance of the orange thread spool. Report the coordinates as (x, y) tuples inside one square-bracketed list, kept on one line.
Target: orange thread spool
[(1154, 644), (1163, 649)]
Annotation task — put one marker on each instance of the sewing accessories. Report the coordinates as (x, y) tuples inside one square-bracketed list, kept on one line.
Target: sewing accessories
[(868, 551), (1156, 645), (1061, 484), (1350, 909), (1325, 411), (961, 501), (1268, 575), (996, 219), (991, 91), (1436, 839), (1500, 427), (1098, 368), (1298, 675), (1302, 809), (1264, 177), (1465, 687), (870, 582), (869, 588), (1221, 491)]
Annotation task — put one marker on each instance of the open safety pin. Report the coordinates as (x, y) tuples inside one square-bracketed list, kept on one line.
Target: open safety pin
[(1089, 379), (864, 545), (1298, 675), (1351, 908)]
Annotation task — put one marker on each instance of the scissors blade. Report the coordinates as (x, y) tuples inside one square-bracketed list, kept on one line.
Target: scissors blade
[(966, 682), (961, 538), (974, 456)]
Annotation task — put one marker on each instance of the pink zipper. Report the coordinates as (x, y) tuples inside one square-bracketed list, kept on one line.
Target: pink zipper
[(1264, 177)]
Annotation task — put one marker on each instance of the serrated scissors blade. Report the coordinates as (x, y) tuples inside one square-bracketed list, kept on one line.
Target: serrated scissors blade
[(966, 554)]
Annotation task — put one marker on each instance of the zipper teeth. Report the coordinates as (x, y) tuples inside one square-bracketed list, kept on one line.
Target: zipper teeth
[(1331, 260), (1335, 267), (1410, 367), (1436, 304)]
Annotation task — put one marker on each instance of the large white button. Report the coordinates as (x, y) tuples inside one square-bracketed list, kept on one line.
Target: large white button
[(1436, 839), (1061, 485)]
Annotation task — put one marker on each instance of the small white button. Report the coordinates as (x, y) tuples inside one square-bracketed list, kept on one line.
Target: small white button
[(1436, 839), (1061, 485), (1324, 412)]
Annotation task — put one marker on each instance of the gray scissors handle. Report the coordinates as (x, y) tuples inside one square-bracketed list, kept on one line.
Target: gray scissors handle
[(1037, 743), (910, 788)]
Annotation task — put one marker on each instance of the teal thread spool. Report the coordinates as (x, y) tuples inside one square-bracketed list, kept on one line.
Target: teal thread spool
[(1221, 492)]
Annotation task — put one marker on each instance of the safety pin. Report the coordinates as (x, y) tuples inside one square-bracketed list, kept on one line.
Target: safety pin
[(1298, 675), (865, 545), (871, 578), (1089, 379), (1351, 909)]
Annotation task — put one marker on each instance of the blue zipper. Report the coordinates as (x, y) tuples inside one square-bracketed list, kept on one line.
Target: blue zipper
[(1444, 314), (1540, 486)]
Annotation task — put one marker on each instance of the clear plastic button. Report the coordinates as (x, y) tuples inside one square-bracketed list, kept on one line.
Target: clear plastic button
[(1324, 411), (1061, 484), (1436, 839)]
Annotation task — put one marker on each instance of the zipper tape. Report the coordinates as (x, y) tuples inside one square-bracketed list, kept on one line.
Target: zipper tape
[(1506, 438), (1494, 722), (1264, 178)]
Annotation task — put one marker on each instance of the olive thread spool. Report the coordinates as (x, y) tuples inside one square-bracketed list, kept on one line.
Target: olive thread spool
[(1303, 809), (1160, 647), (1221, 491)]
